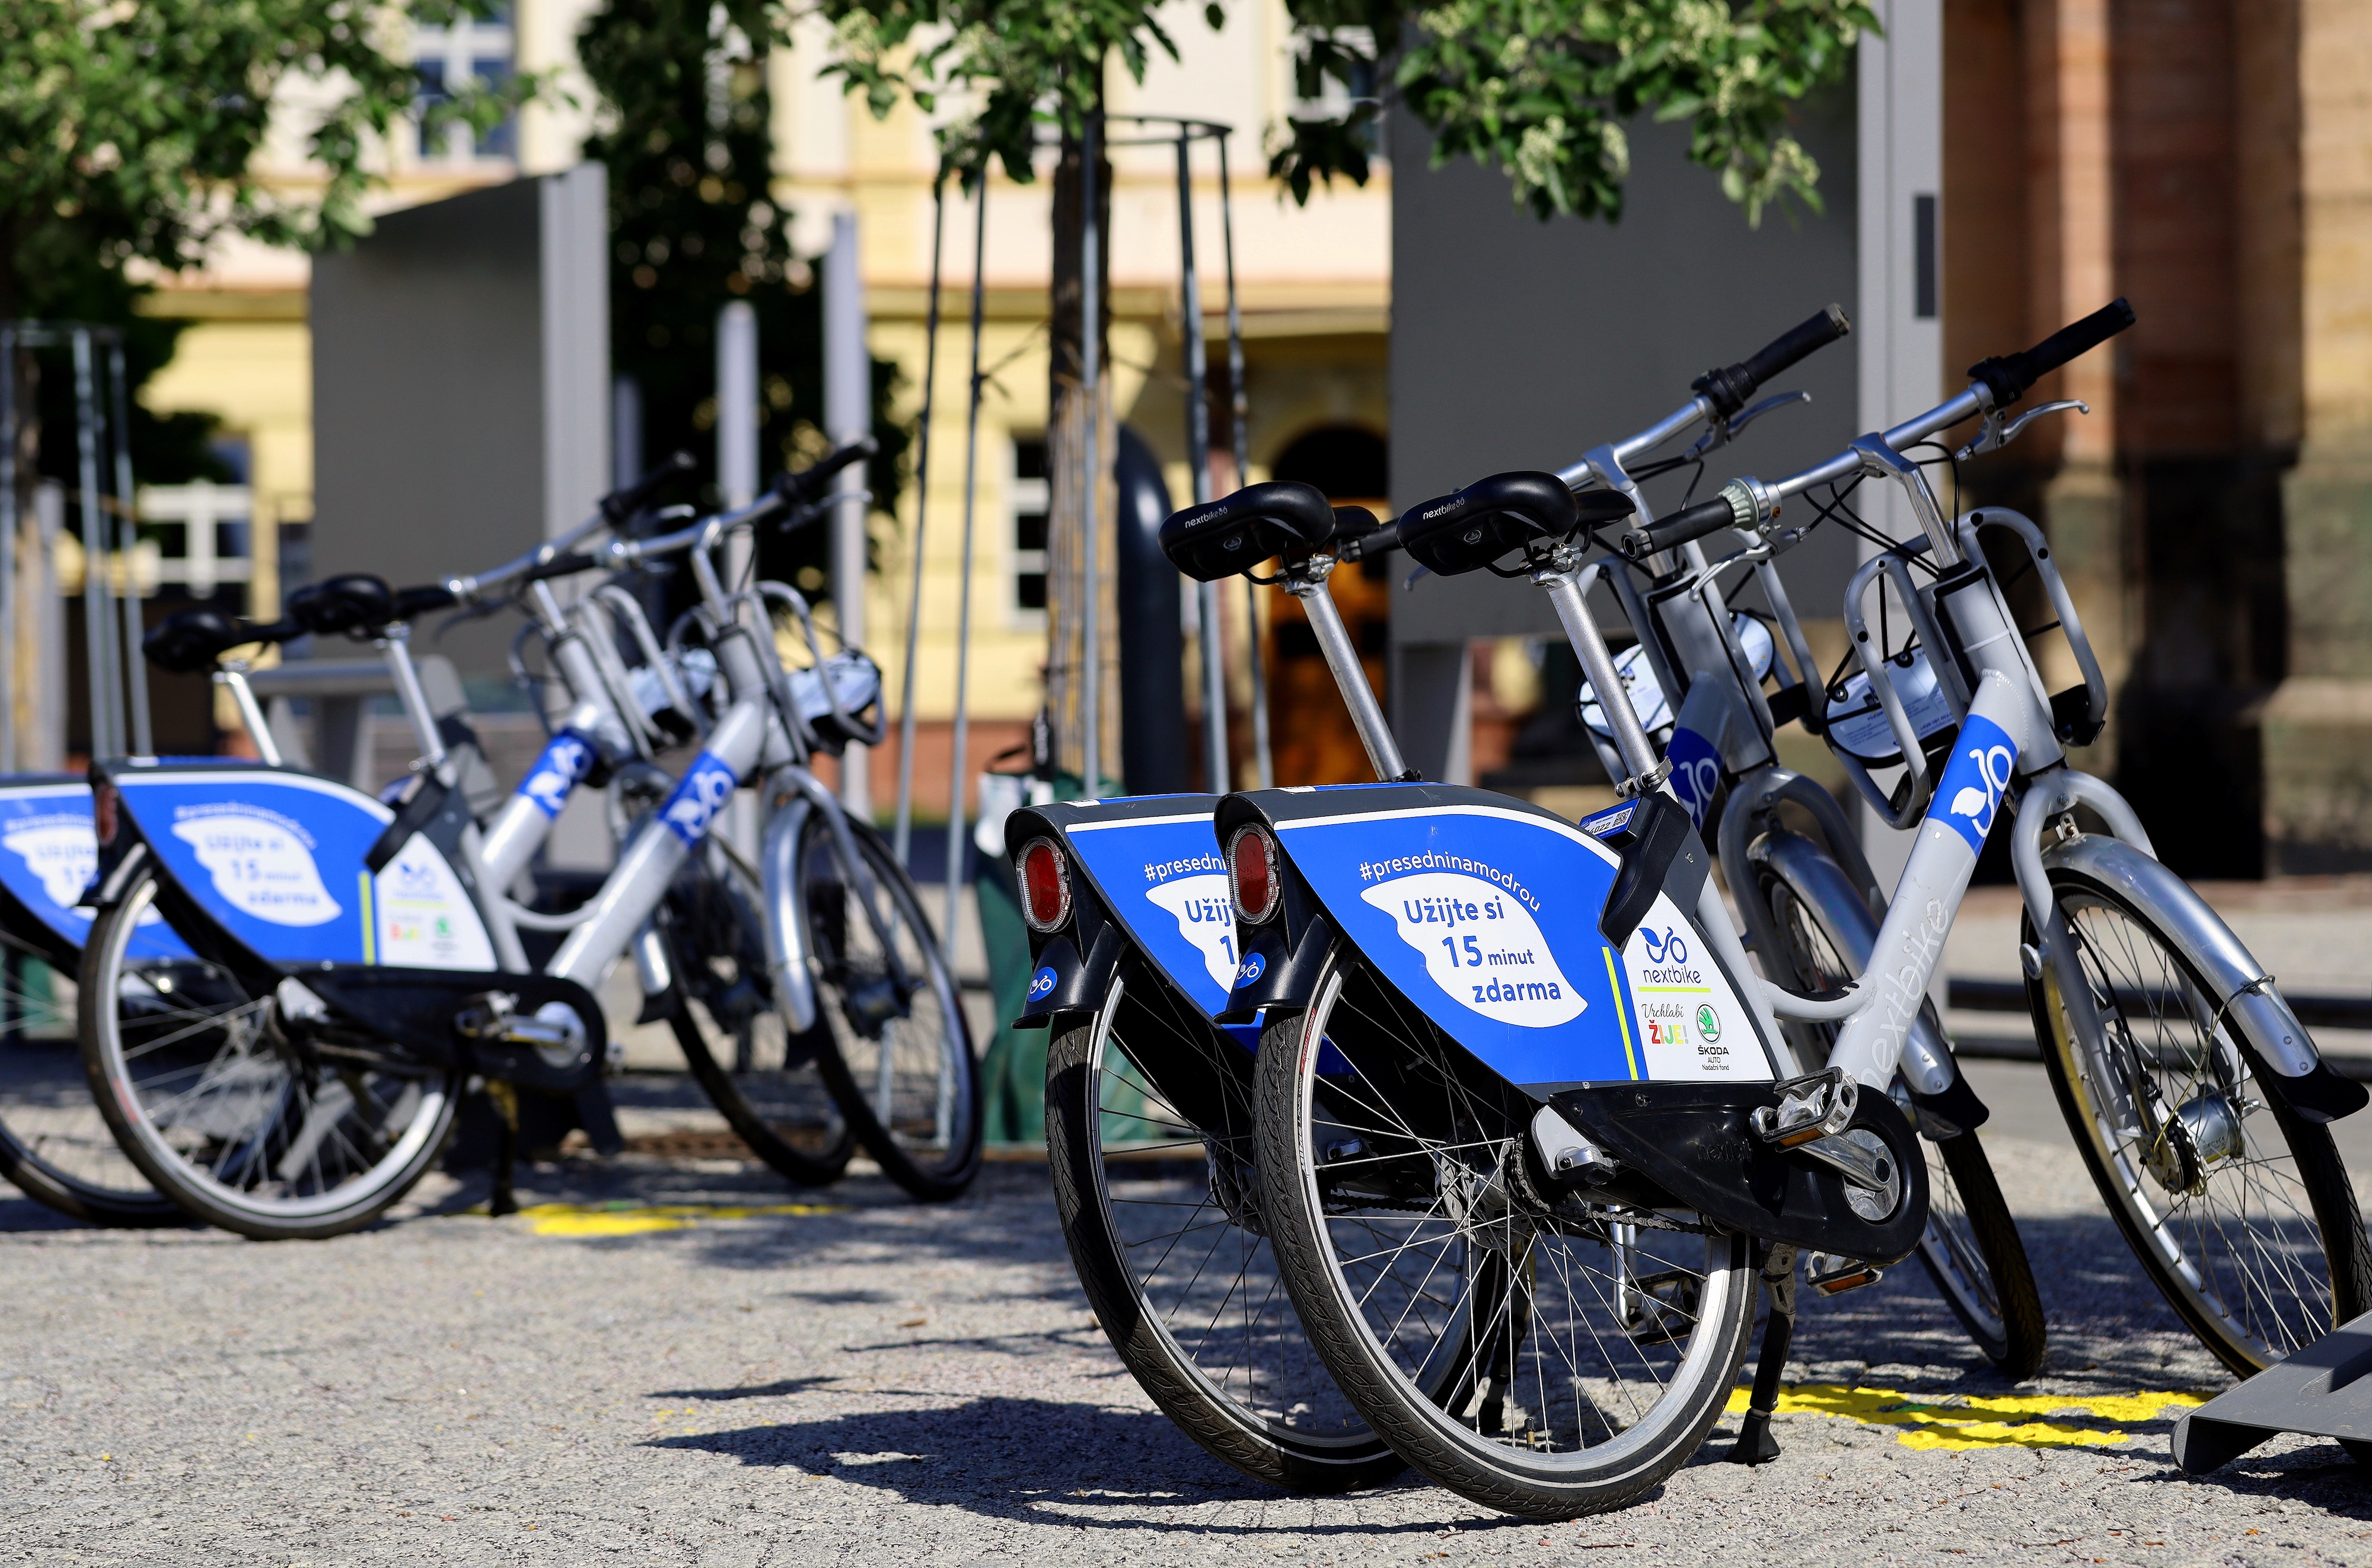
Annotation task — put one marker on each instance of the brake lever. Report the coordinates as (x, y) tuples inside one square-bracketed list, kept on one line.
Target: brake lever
[(1729, 429), (1996, 436)]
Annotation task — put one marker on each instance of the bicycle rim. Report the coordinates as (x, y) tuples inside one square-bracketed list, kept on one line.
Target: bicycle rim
[(762, 1079), (1161, 1210), (1966, 1256), (236, 1127), (2239, 1210), (1535, 1351), (54, 1143), (900, 1060)]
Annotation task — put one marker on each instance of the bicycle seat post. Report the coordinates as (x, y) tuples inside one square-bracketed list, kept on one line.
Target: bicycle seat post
[(1306, 580), (233, 674), (395, 646), (1631, 740)]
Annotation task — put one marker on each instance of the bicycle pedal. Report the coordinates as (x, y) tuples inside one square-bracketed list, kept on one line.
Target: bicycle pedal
[(1818, 1106), (1834, 1276)]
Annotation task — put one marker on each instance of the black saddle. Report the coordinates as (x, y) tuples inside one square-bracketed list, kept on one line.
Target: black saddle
[(1474, 527), (1223, 538), (193, 640), (353, 601)]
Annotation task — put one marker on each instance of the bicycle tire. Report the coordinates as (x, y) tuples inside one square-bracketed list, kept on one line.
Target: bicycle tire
[(252, 1119), (2191, 1278), (1972, 1250), (1518, 1458), (788, 1118), (859, 999), (1239, 1378), (55, 1145)]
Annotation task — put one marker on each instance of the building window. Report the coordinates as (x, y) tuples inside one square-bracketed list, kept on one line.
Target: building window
[(1335, 100), (1030, 499), (472, 51)]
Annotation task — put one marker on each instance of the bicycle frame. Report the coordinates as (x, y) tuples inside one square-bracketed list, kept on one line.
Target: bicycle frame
[(2006, 758)]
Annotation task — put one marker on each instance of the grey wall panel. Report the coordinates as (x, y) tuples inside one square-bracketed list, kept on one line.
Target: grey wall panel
[(1520, 345), (430, 400)]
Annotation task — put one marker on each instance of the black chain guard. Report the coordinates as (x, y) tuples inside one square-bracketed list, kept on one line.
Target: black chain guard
[(415, 1009), (1693, 1142)]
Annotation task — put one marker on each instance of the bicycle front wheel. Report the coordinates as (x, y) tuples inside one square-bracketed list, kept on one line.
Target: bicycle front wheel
[(1538, 1351), (1971, 1248), (229, 1117), (2238, 1208), (900, 1059), (54, 1143), (1160, 1207), (762, 1078)]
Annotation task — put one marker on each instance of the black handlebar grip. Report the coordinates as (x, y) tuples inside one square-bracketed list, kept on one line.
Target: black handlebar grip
[(1382, 541), (1688, 523), (411, 603), (1729, 388), (2009, 375), (619, 504), (807, 484)]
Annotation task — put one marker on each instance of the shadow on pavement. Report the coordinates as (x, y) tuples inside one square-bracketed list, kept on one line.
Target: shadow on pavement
[(1008, 1457)]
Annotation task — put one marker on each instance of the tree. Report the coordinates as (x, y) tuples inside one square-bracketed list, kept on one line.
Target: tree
[(129, 132), (1539, 89), (683, 85)]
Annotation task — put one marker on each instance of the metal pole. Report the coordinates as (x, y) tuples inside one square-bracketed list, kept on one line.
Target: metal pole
[(127, 526), (8, 529), (848, 414), (958, 835), (1239, 428), (98, 621), (1090, 618), (902, 836), (1198, 462)]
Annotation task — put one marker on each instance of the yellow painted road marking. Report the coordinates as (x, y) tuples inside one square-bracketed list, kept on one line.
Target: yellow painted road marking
[(633, 1219), (2001, 1420)]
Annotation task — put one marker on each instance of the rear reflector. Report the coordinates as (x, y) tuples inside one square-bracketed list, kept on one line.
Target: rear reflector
[(1045, 885), (1251, 873)]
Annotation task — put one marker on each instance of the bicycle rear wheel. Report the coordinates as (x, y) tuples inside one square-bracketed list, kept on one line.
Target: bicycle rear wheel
[(900, 1059), (1160, 1208), (2239, 1209), (1971, 1250), (55, 1145), (762, 1079), (233, 1120), (1537, 1351)]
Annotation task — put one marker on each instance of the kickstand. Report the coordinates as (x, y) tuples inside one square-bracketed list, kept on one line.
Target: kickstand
[(1755, 1445), (506, 1102)]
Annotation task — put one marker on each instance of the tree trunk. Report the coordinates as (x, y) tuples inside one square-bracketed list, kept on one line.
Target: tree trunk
[(1067, 430)]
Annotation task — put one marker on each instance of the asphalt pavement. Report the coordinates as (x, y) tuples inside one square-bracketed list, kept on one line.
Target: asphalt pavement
[(681, 1362)]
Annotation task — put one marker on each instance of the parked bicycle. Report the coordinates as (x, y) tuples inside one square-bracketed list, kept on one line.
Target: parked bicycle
[(1448, 1184), (279, 1105)]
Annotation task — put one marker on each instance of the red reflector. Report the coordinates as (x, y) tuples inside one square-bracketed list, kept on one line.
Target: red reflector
[(102, 814), (1045, 885), (1251, 873)]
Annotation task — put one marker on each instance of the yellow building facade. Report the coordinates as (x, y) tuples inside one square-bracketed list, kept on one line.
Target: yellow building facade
[(1314, 286)]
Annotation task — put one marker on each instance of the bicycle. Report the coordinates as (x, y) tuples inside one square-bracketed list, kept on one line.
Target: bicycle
[(376, 1048), (1131, 991), (1533, 1162)]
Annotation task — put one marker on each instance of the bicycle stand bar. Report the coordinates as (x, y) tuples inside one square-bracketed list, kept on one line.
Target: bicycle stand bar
[(1755, 1445)]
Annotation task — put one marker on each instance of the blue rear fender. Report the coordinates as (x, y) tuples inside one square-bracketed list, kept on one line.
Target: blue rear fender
[(1484, 912)]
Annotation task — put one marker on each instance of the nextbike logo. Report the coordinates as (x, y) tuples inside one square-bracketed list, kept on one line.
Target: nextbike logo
[(1970, 797), (1671, 947), (564, 763), (698, 799), (1041, 985), (1253, 968)]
